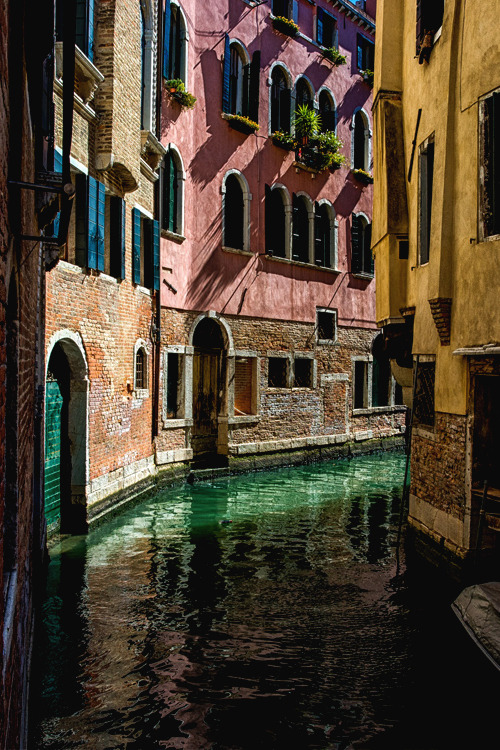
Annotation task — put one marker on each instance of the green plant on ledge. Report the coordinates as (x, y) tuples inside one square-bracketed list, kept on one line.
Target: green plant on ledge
[(363, 176), (307, 123), (176, 89), (285, 26), (332, 54), (284, 140), (368, 77), (242, 123), (322, 152)]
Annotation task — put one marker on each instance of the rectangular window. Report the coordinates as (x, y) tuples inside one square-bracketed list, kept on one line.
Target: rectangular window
[(145, 251), (423, 405), (360, 396), (326, 29), (426, 177), (326, 326), (173, 386), (366, 53), (303, 372), (491, 165), (245, 381), (277, 372), (429, 18)]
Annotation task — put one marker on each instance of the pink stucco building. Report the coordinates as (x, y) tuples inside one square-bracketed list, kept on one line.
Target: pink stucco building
[(268, 292)]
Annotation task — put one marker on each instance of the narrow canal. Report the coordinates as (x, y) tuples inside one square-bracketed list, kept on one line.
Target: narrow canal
[(263, 611)]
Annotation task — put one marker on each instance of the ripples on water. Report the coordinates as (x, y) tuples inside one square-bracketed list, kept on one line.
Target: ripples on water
[(264, 611)]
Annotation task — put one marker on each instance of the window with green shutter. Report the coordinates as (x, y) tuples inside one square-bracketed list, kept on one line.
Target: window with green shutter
[(85, 27), (90, 205), (170, 202), (280, 101), (361, 254)]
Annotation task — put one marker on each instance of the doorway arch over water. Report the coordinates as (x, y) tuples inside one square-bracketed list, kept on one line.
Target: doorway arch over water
[(212, 344), (66, 433)]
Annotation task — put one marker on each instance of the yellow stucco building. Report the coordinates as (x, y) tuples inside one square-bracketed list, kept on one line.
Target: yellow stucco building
[(436, 242)]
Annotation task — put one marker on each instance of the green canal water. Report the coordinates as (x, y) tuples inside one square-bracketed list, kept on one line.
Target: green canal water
[(263, 611)]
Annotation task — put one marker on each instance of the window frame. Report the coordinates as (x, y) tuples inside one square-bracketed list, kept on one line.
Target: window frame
[(272, 355), (483, 196), (367, 136), (247, 197), (365, 253), (424, 215), (174, 154), (141, 392), (184, 43), (321, 14), (334, 224), (289, 83), (304, 357), (333, 312), (255, 378)]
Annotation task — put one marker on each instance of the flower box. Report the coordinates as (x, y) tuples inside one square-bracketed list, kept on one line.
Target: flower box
[(285, 26), (365, 177), (242, 124)]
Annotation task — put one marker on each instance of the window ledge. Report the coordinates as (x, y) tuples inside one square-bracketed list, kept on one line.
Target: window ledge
[(244, 419), (88, 77), (144, 290), (363, 276), (489, 238), (366, 411), (327, 342), (235, 250), (149, 173), (141, 393), (173, 424), (302, 264), (425, 431), (168, 235)]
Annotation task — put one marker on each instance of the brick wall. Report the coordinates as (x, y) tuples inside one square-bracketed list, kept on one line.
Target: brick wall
[(438, 464)]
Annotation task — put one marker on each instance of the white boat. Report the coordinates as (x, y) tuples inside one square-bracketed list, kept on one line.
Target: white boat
[(478, 609)]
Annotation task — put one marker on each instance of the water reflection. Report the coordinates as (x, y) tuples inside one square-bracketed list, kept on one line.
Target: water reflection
[(263, 611)]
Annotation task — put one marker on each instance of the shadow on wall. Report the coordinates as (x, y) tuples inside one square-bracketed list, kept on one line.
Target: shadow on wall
[(360, 93)]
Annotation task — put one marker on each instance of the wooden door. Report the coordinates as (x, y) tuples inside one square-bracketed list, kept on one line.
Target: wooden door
[(206, 387)]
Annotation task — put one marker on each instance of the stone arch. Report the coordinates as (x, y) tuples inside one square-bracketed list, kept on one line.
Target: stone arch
[(66, 433)]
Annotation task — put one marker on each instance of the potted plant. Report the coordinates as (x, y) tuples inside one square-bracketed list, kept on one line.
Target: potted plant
[(362, 176), (307, 123), (332, 54), (285, 26), (283, 140), (322, 152), (368, 77), (177, 91), (241, 123)]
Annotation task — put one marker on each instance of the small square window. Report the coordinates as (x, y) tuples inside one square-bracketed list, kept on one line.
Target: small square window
[(303, 373), (277, 373), (326, 326), (245, 381)]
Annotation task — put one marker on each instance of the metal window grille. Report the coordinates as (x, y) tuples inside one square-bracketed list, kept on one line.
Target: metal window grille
[(140, 369), (423, 407)]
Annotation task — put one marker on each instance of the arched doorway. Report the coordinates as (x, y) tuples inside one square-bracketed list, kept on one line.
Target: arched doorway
[(209, 387), (66, 438)]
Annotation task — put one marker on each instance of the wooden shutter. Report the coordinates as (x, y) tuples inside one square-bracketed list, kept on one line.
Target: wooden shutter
[(117, 237), (81, 25), (295, 11), (319, 245), (494, 164), (92, 219), (136, 246), (172, 194), (166, 40), (245, 98), (285, 98), (100, 228), (81, 210), (156, 255), (254, 86), (356, 241), (319, 25), (226, 73), (295, 227), (57, 168), (368, 261), (336, 36), (360, 53), (268, 220), (420, 25), (90, 30), (147, 246)]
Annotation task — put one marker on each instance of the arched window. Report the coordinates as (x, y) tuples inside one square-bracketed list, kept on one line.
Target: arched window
[(172, 192), (327, 111), (175, 41), (303, 94), (361, 254), (276, 222), (361, 136), (280, 101), (300, 228), (239, 78), (236, 212), (140, 369), (324, 236), (147, 77)]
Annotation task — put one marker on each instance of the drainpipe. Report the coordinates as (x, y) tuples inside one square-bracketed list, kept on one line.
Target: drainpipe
[(157, 327)]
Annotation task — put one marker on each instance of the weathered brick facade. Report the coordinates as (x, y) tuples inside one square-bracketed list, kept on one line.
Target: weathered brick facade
[(25, 40)]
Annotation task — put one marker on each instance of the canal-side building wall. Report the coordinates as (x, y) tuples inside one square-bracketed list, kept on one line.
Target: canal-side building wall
[(436, 236), (101, 296), (26, 48), (292, 330)]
